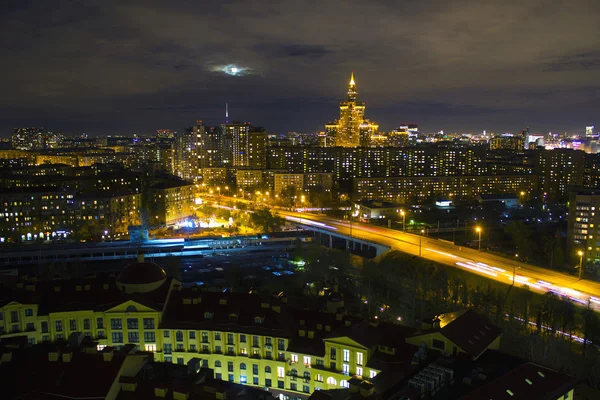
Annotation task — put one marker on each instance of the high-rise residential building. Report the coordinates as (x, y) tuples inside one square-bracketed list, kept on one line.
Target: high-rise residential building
[(559, 170), (248, 145), (351, 129), (171, 202), (186, 160), (209, 146), (583, 228)]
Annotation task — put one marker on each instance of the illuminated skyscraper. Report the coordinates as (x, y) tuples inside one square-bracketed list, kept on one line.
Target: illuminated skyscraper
[(247, 143), (346, 131)]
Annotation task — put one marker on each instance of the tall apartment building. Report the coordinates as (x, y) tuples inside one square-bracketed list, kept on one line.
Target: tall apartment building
[(171, 202), (248, 145), (583, 229), (559, 171), (186, 159)]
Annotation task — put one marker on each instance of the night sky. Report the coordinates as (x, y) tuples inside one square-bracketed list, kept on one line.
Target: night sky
[(137, 66)]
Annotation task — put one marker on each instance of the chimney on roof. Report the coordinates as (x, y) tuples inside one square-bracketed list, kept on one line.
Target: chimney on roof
[(108, 353), (140, 257), (366, 389), (128, 383), (6, 357), (181, 394), (67, 356), (161, 391), (354, 385), (53, 355)]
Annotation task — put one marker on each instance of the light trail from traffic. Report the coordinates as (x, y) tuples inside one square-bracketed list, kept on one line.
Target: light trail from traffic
[(538, 279)]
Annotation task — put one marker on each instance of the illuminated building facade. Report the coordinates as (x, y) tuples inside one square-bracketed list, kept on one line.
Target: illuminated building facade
[(248, 145), (583, 231), (36, 213), (171, 202), (422, 189), (559, 171), (351, 129), (248, 179), (507, 142), (262, 341), (306, 183)]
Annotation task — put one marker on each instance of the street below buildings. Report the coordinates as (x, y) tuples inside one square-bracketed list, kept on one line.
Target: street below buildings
[(484, 264)]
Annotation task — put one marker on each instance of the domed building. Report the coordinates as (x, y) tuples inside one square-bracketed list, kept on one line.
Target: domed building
[(141, 277)]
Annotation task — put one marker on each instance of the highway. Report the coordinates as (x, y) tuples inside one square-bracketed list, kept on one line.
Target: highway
[(487, 265)]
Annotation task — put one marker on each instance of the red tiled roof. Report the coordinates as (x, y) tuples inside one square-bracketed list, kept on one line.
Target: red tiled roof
[(527, 382)]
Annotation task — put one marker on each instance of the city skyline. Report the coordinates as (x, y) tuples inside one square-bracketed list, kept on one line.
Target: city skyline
[(459, 67)]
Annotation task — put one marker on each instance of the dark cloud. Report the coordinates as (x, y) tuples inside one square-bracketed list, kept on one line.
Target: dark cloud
[(312, 51), (135, 66)]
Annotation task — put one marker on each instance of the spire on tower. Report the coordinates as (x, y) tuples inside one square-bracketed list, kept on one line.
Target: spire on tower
[(352, 89)]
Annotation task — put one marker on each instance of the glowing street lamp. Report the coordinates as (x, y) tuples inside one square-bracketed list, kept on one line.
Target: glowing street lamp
[(515, 268), (478, 230), (580, 253), (403, 220), (421, 242)]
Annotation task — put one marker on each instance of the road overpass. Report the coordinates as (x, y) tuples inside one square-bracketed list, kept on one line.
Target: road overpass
[(484, 264)]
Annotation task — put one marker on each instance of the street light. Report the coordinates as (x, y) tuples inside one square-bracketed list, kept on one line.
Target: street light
[(403, 220), (515, 268), (421, 242), (478, 230), (580, 264)]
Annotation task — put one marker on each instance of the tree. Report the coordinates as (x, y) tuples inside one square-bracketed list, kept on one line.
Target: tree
[(265, 220), (522, 237)]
